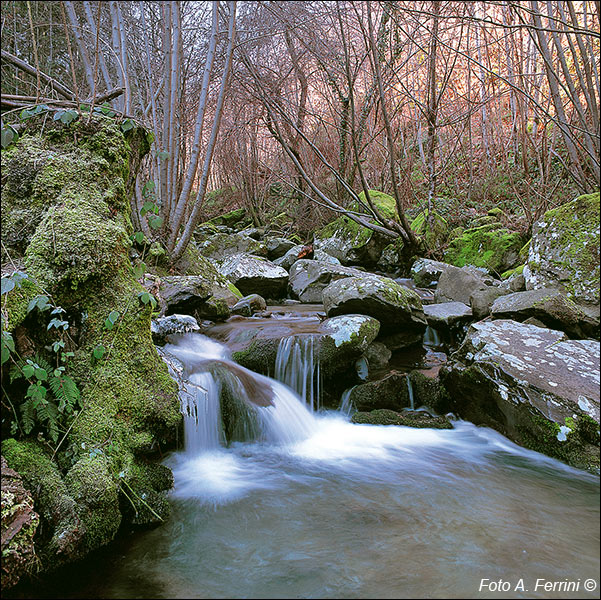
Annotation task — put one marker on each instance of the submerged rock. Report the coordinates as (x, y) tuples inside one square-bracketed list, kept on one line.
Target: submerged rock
[(533, 385)]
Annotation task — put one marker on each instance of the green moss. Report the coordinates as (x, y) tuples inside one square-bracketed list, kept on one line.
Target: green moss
[(230, 218), (17, 301), (438, 232), (489, 246), (517, 271)]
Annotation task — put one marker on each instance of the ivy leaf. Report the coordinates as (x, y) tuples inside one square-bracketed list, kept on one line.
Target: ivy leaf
[(99, 351), (42, 303), (139, 270), (41, 374), (112, 319), (7, 285), (148, 188), (28, 371), (155, 222), (139, 237), (8, 345), (68, 116), (58, 114), (9, 135), (148, 206), (127, 125)]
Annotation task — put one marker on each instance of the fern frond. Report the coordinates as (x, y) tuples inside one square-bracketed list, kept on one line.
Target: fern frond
[(65, 390)]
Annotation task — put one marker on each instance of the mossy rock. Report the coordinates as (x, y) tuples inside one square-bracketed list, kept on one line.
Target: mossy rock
[(490, 246), (229, 219), (413, 418), (564, 250), (350, 242), (78, 251), (436, 234)]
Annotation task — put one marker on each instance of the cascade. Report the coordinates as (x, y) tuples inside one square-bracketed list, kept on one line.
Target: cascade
[(345, 401), (431, 337), (410, 390), (224, 402), (297, 366)]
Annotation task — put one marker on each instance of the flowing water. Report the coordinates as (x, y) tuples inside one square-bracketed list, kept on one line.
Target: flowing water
[(317, 507)]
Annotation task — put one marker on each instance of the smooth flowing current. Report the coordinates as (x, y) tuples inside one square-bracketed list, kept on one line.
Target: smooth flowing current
[(317, 507)]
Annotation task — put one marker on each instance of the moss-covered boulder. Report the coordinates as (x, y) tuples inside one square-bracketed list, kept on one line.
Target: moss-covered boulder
[(395, 306), (564, 251), (491, 246), (410, 418), (77, 252), (533, 385), (350, 242)]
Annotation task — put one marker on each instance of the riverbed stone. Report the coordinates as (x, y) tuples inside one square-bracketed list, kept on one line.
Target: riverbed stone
[(396, 307), (426, 272), (278, 247), (446, 314), (309, 278), (254, 275), (249, 305), (221, 246), (390, 392), (533, 385), (482, 300), (564, 251), (457, 285), (548, 305), (408, 418), (164, 326)]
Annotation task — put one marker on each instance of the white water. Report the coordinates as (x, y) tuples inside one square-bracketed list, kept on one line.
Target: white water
[(410, 392), (297, 366), (431, 337), (322, 508)]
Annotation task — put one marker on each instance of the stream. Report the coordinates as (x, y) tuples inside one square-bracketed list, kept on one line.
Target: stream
[(317, 507)]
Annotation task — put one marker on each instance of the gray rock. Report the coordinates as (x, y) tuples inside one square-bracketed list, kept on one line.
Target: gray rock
[(515, 283), (457, 285), (254, 275), (395, 306), (249, 305), (531, 384), (549, 306), (426, 273), (445, 315), (482, 300), (221, 246), (377, 355), (390, 392), (308, 278), (164, 326), (408, 418), (277, 247)]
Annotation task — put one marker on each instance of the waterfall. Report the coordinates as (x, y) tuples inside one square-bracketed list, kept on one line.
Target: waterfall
[(202, 418), (297, 366), (223, 402), (345, 402), (410, 390), (431, 337)]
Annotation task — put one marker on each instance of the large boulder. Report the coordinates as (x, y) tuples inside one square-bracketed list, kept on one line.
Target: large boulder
[(491, 246), (254, 275), (78, 251), (394, 305), (399, 309), (278, 247), (533, 385), (564, 251), (549, 306), (309, 278), (390, 392)]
